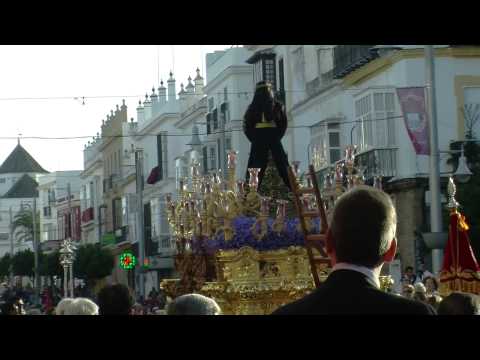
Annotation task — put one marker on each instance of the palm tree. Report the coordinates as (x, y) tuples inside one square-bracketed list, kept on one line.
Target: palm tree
[(23, 221)]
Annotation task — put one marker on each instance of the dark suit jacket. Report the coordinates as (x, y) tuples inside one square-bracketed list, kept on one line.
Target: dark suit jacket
[(351, 292)]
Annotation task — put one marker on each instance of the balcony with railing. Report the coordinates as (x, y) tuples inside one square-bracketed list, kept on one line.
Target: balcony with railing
[(373, 162), (347, 58)]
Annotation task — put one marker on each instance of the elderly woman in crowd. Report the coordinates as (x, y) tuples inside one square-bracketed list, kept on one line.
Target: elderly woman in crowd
[(62, 306), (82, 306), (193, 304)]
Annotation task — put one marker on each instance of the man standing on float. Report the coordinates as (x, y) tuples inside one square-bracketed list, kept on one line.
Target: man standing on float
[(265, 125)]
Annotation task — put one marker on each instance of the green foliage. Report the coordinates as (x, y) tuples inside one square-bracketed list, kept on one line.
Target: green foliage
[(23, 221), (93, 262), (23, 263), (50, 265), (468, 194), (5, 262)]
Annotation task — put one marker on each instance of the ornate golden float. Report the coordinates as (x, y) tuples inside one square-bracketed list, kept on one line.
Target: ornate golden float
[(231, 250)]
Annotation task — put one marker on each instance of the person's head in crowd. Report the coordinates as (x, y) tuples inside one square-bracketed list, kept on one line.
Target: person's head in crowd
[(115, 300), (408, 291), (137, 309), (82, 306), (367, 241), (20, 305), (10, 308), (431, 284), (435, 301), (420, 288), (420, 296), (460, 303), (193, 304), (62, 306), (409, 271)]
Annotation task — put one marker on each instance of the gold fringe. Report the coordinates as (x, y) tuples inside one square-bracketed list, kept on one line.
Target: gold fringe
[(450, 286)]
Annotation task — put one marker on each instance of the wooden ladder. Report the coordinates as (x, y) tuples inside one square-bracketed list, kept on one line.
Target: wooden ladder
[(312, 241)]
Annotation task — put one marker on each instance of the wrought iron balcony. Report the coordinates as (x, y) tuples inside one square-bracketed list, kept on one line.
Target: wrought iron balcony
[(347, 58), (377, 161)]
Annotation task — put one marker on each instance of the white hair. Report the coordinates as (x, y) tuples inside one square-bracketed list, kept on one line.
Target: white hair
[(63, 305), (82, 306), (193, 304)]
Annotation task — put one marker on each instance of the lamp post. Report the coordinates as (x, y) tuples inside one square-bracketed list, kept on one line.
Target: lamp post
[(140, 219), (67, 252), (434, 174)]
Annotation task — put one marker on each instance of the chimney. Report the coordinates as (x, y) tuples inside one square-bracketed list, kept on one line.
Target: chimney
[(140, 113), (198, 83), (155, 103), (147, 105), (171, 88), (162, 94), (123, 112)]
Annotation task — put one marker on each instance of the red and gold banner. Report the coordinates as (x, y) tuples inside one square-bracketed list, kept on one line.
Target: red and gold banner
[(460, 271)]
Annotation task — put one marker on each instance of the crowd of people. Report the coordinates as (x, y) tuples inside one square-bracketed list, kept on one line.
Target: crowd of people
[(360, 239)]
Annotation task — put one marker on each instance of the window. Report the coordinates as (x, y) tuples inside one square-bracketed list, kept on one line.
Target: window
[(215, 119), (209, 123), (164, 229), (219, 153), (281, 80), (117, 213), (211, 104), (334, 139), (213, 158), (91, 193), (205, 159), (375, 113), (2, 180), (364, 122), (269, 67), (298, 74), (228, 143), (124, 211), (225, 94), (471, 110), (326, 135), (103, 219), (162, 155)]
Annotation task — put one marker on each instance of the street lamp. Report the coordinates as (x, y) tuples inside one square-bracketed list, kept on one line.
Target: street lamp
[(463, 173), (66, 259)]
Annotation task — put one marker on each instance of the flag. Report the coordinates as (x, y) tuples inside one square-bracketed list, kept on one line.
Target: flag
[(412, 103), (154, 176), (460, 270)]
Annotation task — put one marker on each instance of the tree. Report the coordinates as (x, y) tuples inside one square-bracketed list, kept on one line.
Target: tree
[(50, 265), (5, 263), (469, 193), (92, 262), (23, 263), (23, 221)]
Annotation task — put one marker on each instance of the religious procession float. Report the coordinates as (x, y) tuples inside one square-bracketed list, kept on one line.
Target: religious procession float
[(248, 251)]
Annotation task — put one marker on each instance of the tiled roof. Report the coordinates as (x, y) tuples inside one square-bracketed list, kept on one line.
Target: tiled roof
[(25, 187), (20, 161)]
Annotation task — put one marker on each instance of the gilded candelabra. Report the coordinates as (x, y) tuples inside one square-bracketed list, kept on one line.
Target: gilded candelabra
[(206, 206)]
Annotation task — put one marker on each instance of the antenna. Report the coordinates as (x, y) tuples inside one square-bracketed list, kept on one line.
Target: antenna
[(158, 64), (172, 47)]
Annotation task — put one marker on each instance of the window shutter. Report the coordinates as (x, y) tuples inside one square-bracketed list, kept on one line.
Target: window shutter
[(209, 119), (159, 156), (205, 159)]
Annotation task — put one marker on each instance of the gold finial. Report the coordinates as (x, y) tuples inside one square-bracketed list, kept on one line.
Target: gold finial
[(452, 190)]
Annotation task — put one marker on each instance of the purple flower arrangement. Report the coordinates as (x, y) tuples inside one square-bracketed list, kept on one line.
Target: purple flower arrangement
[(244, 237)]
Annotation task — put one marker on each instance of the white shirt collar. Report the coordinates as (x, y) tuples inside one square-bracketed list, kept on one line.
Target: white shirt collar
[(361, 269)]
